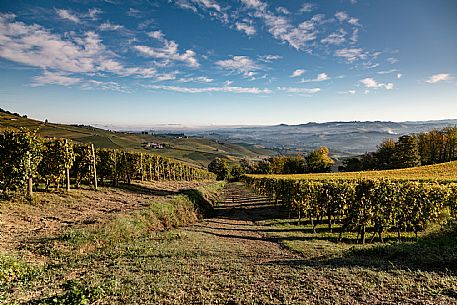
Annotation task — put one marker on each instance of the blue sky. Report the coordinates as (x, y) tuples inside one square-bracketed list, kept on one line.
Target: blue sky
[(214, 62)]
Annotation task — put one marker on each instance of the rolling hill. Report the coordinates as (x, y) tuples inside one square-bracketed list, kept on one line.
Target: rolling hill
[(195, 150)]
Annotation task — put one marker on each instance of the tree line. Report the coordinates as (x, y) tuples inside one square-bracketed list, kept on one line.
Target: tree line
[(28, 161), (435, 146), (317, 161)]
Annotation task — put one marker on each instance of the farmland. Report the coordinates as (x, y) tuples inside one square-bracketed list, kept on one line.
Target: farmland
[(195, 151)]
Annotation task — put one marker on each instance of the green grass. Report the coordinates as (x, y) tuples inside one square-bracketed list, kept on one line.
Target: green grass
[(443, 171)]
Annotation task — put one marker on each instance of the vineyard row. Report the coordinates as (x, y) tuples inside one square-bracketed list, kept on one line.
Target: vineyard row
[(356, 205), (26, 158)]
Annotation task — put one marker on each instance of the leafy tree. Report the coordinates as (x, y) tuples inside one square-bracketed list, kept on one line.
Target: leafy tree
[(236, 172), (219, 167), (351, 165), (318, 161), (294, 165), (385, 154), (406, 153)]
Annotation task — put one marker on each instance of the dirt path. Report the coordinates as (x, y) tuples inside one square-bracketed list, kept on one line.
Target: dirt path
[(235, 222)]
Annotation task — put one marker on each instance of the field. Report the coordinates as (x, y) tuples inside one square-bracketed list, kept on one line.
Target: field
[(196, 151), (250, 252), (442, 172)]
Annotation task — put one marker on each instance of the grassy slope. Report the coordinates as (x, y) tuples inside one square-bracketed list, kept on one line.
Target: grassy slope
[(443, 171), (197, 151)]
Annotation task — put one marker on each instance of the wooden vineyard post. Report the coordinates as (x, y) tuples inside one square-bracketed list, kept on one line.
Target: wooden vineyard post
[(67, 169), (141, 166), (93, 164), (30, 180)]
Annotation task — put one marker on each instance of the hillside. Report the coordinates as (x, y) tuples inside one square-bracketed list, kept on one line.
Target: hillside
[(344, 139), (194, 150), (443, 171)]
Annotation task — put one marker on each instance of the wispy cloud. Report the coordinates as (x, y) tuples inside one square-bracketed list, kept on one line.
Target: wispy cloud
[(335, 38), (54, 78), (246, 28), (351, 54), (108, 26), (35, 46), (66, 14), (269, 58), (239, 64), (279, 26), (299, 90), (373, 84), (298, 72), (108, 86), (440, 77), (306, 7), (168, 52), (351, 92), (319, 78), (226, 89), (198, 79), (213, 7)]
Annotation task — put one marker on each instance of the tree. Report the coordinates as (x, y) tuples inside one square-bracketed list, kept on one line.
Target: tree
[(318, 161), (236, 172), (219, 167), (385, 154), (406, 153), (294, 165)]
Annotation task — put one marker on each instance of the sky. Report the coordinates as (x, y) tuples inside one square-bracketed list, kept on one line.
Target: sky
[(214, 62)]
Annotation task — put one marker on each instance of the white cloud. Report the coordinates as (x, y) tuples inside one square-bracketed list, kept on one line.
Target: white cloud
[(226, 89), (35, 46), (300, 90), (54, 78), (341, 16), (298, 72), (239, 64), (282, 10), (373, 84), (319, 78), (355, 35), (269, 58), (109, 86), (336, 38), (211, 6), (168, 52), (299, 37), (306, 7), (399, 75), (93, 13), (107, 26), (392, 60), (351, 92), (387, 71), (246, 28), (351, 54), (199, 79), (66, 14), (438, 78)]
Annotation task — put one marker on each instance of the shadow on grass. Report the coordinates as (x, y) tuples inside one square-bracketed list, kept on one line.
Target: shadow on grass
[(139, 189), (202, 204), (434, 252)]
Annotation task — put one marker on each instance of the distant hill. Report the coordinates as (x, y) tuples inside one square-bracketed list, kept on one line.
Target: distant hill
[(193, 150), (342, 138)]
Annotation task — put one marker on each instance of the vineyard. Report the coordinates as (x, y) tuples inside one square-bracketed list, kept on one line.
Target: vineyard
[(379, 201), (28, 161)]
